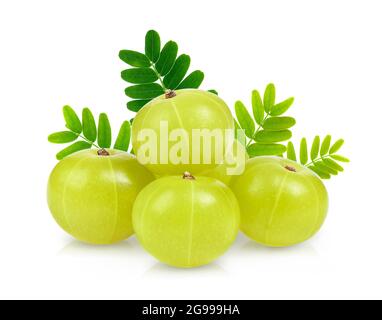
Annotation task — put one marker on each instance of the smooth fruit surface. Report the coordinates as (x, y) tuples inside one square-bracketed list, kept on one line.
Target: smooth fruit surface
[(282, 203), (232, 165), (185, 222), (91, 196), (189, 109)]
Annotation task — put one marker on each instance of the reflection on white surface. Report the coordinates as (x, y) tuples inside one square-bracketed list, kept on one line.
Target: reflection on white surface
[(252, 247), (77, 248), (165, 270)]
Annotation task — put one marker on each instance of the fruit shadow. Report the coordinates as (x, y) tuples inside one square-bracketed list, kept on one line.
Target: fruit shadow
[(255, 248), (162, 269), (77, 248)]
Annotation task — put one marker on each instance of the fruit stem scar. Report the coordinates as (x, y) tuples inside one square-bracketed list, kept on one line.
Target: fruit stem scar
[(188, 176), (170, 94), (290, 168), (102, 152)]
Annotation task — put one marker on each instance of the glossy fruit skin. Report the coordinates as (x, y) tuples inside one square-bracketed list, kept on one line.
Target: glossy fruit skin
[(235, 159), (280, 207), (91, 196), (189, 109), (186, 223)]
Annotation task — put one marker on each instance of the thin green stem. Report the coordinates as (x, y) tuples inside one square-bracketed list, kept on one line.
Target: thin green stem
[(258, 129), (87, 140), (316, 160), (159, 76)]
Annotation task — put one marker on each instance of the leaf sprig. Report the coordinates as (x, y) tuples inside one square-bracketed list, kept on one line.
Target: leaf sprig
[(323, 156), (272, 127), (156, 71), (88, 134)]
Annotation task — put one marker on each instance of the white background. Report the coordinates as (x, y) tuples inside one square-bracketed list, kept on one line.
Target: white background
[(328, 54)]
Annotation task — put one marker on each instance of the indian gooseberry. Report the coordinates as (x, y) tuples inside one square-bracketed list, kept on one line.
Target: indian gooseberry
[(282, 203), (185, 110), (91, 194), (186, 221), (232, 165)]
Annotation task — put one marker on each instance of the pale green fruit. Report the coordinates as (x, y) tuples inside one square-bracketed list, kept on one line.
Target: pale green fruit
[(232, 165), (91, 196), (189, 109), (186, 222), (282, 203)]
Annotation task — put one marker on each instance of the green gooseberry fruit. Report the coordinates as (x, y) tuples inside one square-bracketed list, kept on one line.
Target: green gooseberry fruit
[(186, 221), (188, 110), (91, 194), (232, 165), (282, 203)]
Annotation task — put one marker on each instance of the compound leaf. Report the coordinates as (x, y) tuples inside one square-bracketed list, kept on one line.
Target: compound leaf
[(245, 120), (134, 58), (62, 137), (71, 119), (303, 151), (192, 81), (152, 45), (167, 58), (144, 91), (291, 152), (136, 105), (281, 107), (77, 146), (178, 72), (258, 149), (257, 107), (265, 136), (269, 97), (89, 125), (279, 123), (123, 139), (139, 75), (104, 131)]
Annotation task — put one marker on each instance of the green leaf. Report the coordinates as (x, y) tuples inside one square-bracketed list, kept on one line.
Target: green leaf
[(104, 131), (265, 136), (281, 107), (257, 107), (245, 120), (123, 140), (213, 91), (77, 146), (139, 75), (152, 45), (136, 105), (279, 123), (321, 174), (178, 72), (331, 163), (258, 149), (144, 91), (167, 58), (336, 146), (269, 97), (89, 125), (315, 148), (291, 152), (339, 158), (62, 137), (192, 81), (303, 151), (324, 168), (325, 145), (71, 119), (134, 58)]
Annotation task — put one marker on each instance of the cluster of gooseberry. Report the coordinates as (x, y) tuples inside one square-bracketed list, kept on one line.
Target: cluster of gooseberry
[(185, 215)]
